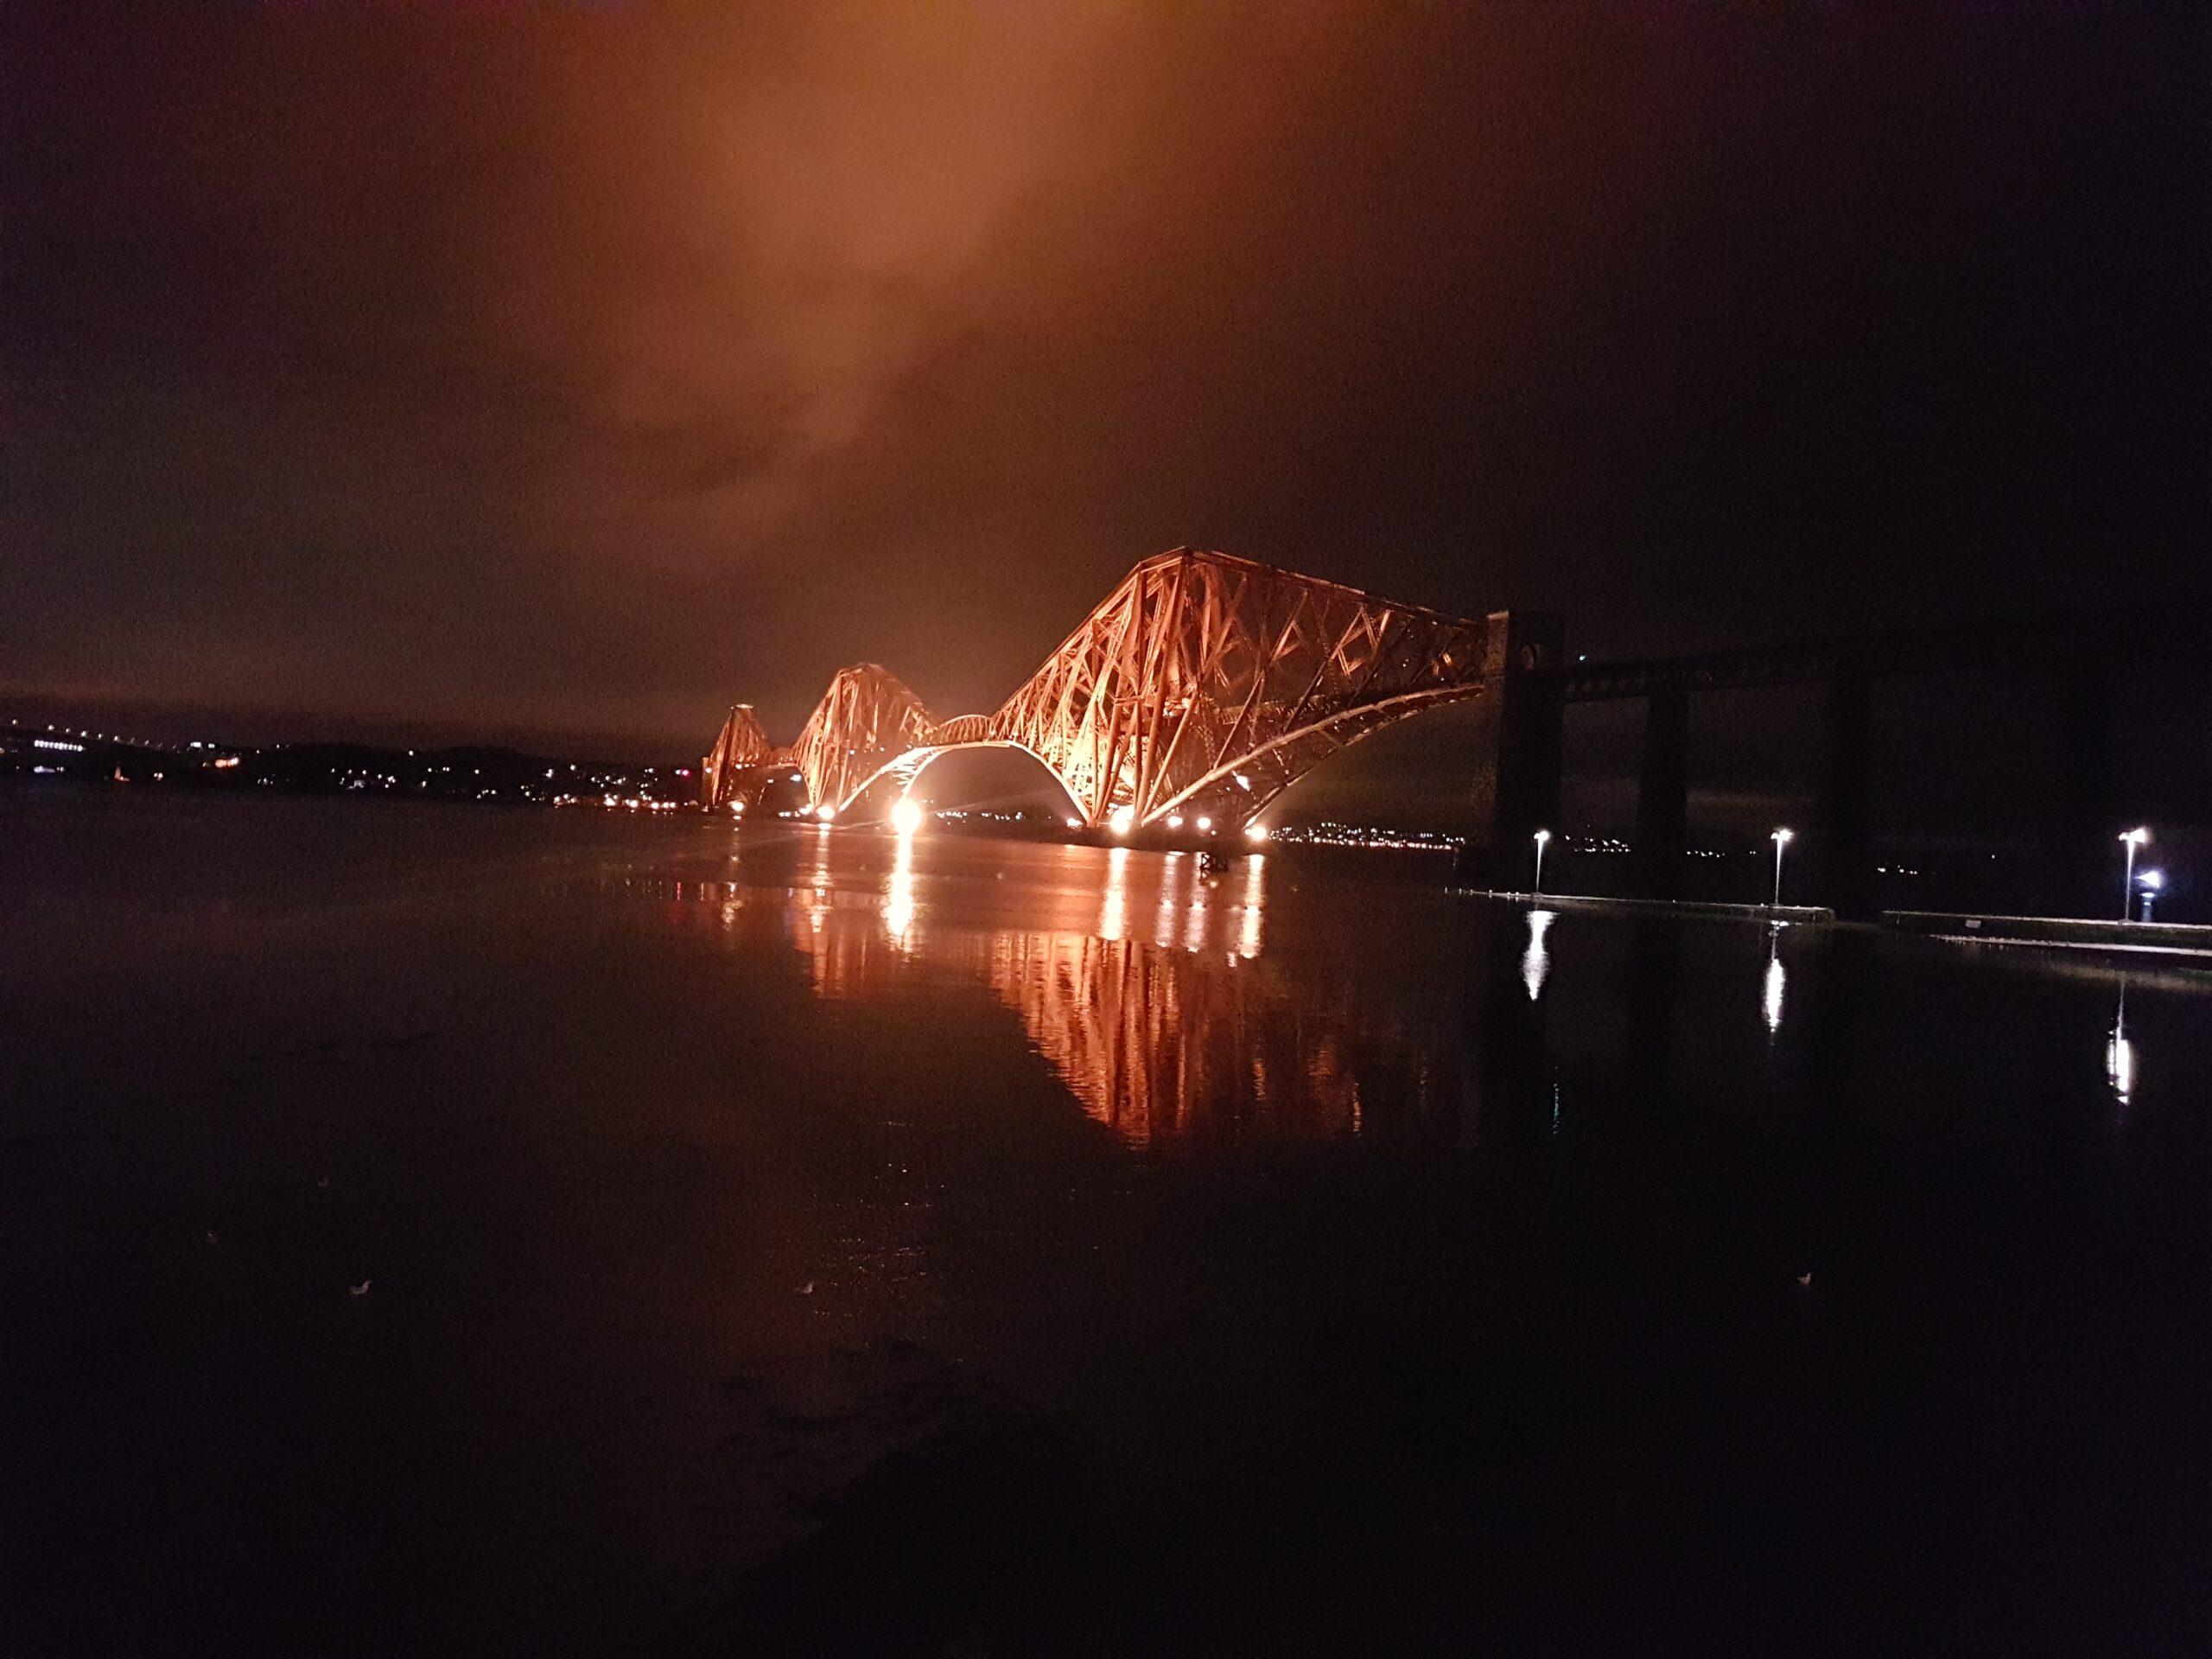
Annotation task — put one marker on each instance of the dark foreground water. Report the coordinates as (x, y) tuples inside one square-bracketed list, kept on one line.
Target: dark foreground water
[(440, 1230)]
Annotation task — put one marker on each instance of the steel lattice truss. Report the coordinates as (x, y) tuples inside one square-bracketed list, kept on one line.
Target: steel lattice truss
[(1204, 685), (1207, 683), (866, 720), (743, 742)]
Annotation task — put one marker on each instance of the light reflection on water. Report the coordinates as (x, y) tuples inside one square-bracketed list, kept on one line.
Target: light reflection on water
[(1777, 979), (1535, 960), (1275, 1001)]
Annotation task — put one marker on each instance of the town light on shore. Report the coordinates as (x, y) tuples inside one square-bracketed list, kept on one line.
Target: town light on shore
[(825, 812), (906, 815), (1255, 831), (1123, 820), (1782, 838)]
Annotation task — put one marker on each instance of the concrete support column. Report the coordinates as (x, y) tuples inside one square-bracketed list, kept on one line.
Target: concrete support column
[(1843, 848), (1519, 718), (1663, 798)]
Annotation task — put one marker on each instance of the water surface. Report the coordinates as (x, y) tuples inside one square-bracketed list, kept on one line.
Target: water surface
[(561, 1231)]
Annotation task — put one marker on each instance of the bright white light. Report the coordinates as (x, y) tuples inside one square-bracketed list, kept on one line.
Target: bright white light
[(1123, 820), (2137, 836), (2119, 1065), (1542, 835), (826, 812), (1205, 826), (1255, 831), (907, 816), (1772, 1000), (1175, 821), (1242, 782), (1075, 824), (1535, 960), (2153, 879), (1785, 837)]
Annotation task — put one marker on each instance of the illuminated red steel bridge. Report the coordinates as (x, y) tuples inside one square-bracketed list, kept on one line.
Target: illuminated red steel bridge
[(1200, 688)]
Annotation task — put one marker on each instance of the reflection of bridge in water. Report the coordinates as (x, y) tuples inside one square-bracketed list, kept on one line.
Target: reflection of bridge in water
[(1158, 1012)]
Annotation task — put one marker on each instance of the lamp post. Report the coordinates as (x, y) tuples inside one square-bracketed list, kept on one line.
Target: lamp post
[(1540, 837), (2131, 839), (1782, 838)]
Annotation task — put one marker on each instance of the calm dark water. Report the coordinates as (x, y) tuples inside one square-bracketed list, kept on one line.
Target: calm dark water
[(428, 1230)]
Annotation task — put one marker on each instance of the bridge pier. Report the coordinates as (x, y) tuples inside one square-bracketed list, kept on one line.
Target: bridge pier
[(1843, 845), (1520, 726), (1662, 796)]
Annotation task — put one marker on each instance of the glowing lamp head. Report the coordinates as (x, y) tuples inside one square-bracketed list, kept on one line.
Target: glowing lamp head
[(2138, 837), (2153, 879), (1255, 831), (1205, 826), (1784, 837), (907, 816), (1174, 820), (1123, 820), (1075, 824), (826, 812), (1542, 835)]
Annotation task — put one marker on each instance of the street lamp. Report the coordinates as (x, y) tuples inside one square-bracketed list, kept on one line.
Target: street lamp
[(1540, 837), (2131, 839), (2152, 881), (1782, 838)]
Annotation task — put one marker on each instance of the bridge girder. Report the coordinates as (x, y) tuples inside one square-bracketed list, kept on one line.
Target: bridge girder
[(868, 716), (1199, 661), (1203, 683), (743, 742)]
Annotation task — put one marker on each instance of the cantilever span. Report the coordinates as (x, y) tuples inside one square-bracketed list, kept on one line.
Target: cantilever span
[(1202, 685)]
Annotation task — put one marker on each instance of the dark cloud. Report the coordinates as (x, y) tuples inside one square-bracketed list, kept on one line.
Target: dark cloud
[(591, 368)]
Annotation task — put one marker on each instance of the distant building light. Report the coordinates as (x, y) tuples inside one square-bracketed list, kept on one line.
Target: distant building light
[(56, 743)]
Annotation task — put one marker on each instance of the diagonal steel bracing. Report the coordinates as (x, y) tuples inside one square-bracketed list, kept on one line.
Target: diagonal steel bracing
[(1203, 683)]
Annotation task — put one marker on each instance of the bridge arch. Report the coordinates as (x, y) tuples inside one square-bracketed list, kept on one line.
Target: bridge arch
[(1238, 791), (872, 799)]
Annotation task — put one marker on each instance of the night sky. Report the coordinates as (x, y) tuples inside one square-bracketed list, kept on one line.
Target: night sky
[(581, 370)]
